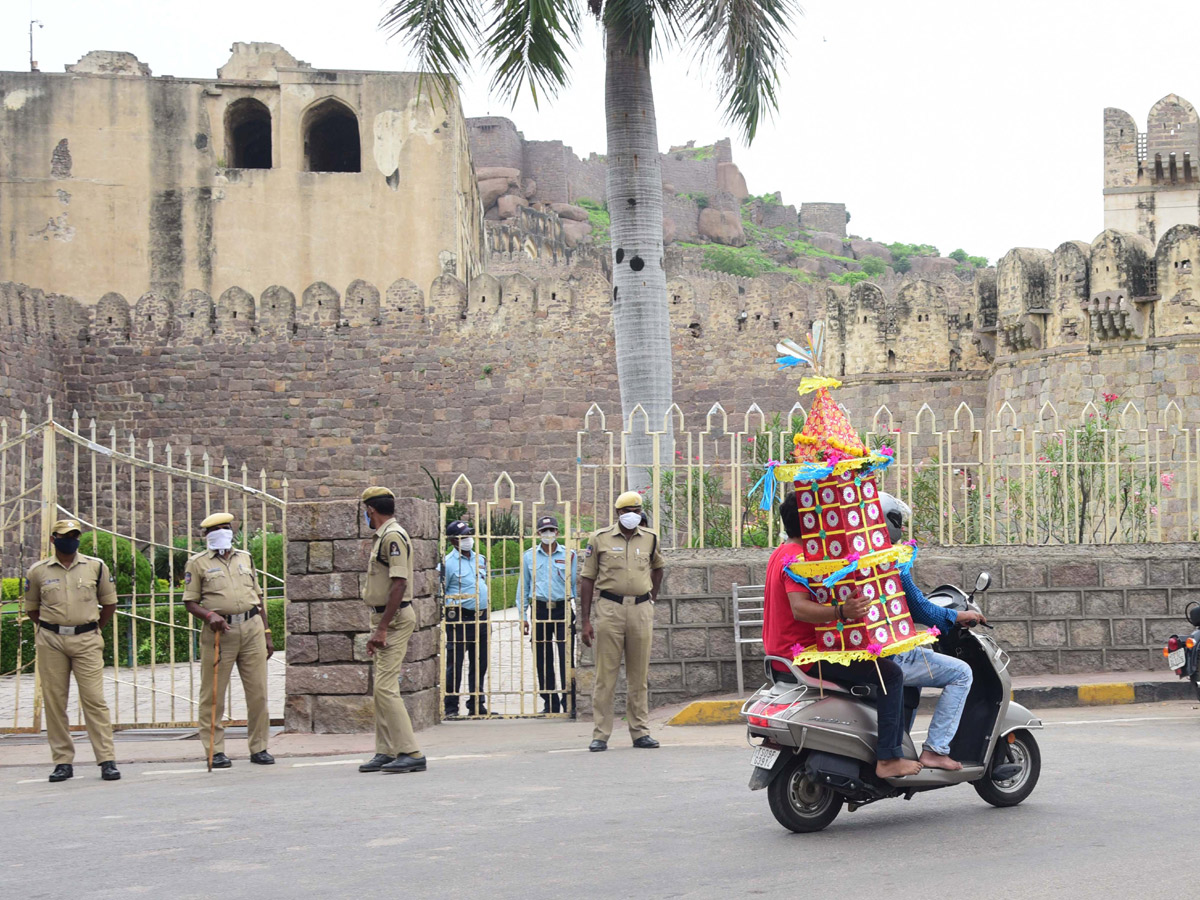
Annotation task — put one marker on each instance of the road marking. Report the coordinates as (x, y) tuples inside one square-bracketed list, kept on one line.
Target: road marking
[(570, 750), (1119, 721), (466, 756), (32, 781), (182, 771), (334, 762)]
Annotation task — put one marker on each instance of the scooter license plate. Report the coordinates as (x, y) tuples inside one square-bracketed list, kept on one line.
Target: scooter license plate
[(764, 757), (1176, 659)]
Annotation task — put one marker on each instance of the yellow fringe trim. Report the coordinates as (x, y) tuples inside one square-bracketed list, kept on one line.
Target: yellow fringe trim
[(821, 568), (789, 472), (811, 383), (845, 657)]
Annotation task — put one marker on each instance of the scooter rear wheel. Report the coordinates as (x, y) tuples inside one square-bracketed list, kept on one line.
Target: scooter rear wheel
[(799, 803), (1023, 751)]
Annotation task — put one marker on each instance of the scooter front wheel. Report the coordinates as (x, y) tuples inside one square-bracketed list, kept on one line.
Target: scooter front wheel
[(799, 803), (1023, 752)]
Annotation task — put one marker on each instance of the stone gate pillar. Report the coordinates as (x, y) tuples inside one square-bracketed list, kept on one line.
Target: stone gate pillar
[(328, 670)]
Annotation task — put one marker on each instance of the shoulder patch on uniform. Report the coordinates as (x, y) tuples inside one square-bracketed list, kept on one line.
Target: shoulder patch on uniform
[(26, 584), (187, 577), (588, 552), (394, 549)]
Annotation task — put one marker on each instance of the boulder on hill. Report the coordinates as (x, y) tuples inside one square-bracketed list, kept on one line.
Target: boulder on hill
[(530, 189), (932, 265), (570, 212), (491, 190), (870, 248), (722, 226), (575, 232), (486, 173), (731, 180), (508, 205), (829, 243)]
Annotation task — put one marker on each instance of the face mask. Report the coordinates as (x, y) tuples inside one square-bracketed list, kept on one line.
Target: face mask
[(631, 520), (548, 537), (466, 544), (221, 539), (66, 545), (367, 517)]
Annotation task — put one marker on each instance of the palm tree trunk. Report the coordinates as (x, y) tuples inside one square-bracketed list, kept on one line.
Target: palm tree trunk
[(641, 320)]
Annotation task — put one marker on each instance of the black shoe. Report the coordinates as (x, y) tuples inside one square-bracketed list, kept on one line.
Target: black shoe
[(597, 746), (62, 772), (376, 762), (482, 712), (405, 763), (108, 771), (645, 742), (450, 713), (221, 761), (262, 758)]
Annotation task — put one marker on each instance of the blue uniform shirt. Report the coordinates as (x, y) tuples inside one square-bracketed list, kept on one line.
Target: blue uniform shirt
[(550, 582), (464, 579)]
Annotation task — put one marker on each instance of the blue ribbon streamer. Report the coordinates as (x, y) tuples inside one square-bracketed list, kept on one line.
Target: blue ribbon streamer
[(799, 579), (769, 485), (906, 567), (786, 362), (840, 574)]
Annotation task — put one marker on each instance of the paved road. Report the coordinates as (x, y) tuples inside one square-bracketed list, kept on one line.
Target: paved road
[(522, 816)]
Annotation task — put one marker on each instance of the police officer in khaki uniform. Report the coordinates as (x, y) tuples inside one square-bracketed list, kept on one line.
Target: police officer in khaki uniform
[(624, 564), (393, 620), (71, 598), (220, 589)]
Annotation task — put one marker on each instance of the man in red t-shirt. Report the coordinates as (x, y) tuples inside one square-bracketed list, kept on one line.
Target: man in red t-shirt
[(789, 613)]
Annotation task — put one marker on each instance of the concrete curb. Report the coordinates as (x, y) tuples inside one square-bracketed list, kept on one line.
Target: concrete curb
[(728, 712)]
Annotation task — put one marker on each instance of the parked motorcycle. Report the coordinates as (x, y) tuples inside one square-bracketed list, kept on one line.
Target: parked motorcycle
[(818, 738), (1183, 653)]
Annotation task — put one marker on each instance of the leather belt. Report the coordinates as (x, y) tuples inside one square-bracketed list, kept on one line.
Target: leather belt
[(548, 602), (403, 603), (70, 629), (619, 598), (239, 618)]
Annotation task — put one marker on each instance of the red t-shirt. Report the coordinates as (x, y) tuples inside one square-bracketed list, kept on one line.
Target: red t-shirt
[(780, 628)]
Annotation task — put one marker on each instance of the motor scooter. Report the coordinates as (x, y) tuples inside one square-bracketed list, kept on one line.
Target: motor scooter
[(1183, 653), (815, 739)]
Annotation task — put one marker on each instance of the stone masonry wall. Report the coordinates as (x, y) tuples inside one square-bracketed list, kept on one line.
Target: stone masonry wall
[(828, 217), (1055, 610), (329, 675)]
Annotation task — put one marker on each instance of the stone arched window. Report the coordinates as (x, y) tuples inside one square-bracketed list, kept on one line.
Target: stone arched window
[(248, 134), (331, 139)]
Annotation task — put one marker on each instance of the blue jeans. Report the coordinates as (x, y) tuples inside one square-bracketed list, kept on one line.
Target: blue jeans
[(924, 668)]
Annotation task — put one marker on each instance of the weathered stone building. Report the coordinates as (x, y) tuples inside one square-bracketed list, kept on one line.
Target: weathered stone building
[(1151, 179), (114, 180)]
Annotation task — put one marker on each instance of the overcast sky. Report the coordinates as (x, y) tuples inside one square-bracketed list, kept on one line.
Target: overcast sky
[(957, 124)]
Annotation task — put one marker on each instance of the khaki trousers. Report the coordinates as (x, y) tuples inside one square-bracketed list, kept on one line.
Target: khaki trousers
[(58, 655), (246, 645), (393, 727), (622, 628)]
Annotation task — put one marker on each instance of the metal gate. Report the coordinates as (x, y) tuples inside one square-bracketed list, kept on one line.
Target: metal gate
[(525, 654), (141, 516)]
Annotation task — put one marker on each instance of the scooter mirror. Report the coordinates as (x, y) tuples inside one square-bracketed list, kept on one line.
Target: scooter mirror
[(982, 582)]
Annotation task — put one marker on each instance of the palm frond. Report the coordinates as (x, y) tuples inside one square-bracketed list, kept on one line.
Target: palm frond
[(527, 42), (441, 34), (748, 41)]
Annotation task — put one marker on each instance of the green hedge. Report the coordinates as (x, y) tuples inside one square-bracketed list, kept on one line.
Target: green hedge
[(101, 543), (163, 613), (275, 554)]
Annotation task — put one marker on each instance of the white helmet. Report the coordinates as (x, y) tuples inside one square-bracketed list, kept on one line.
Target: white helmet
[(896, 513)]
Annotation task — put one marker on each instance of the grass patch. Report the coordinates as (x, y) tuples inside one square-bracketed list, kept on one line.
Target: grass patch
[(598, 218), (747, 262)]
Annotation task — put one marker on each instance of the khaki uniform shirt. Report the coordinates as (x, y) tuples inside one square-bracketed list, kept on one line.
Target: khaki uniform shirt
[(69, 596), (226, 586), (622, 565), (392, 545)]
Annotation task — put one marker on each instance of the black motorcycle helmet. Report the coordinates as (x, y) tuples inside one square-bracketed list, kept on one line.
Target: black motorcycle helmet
[(896, 512)]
